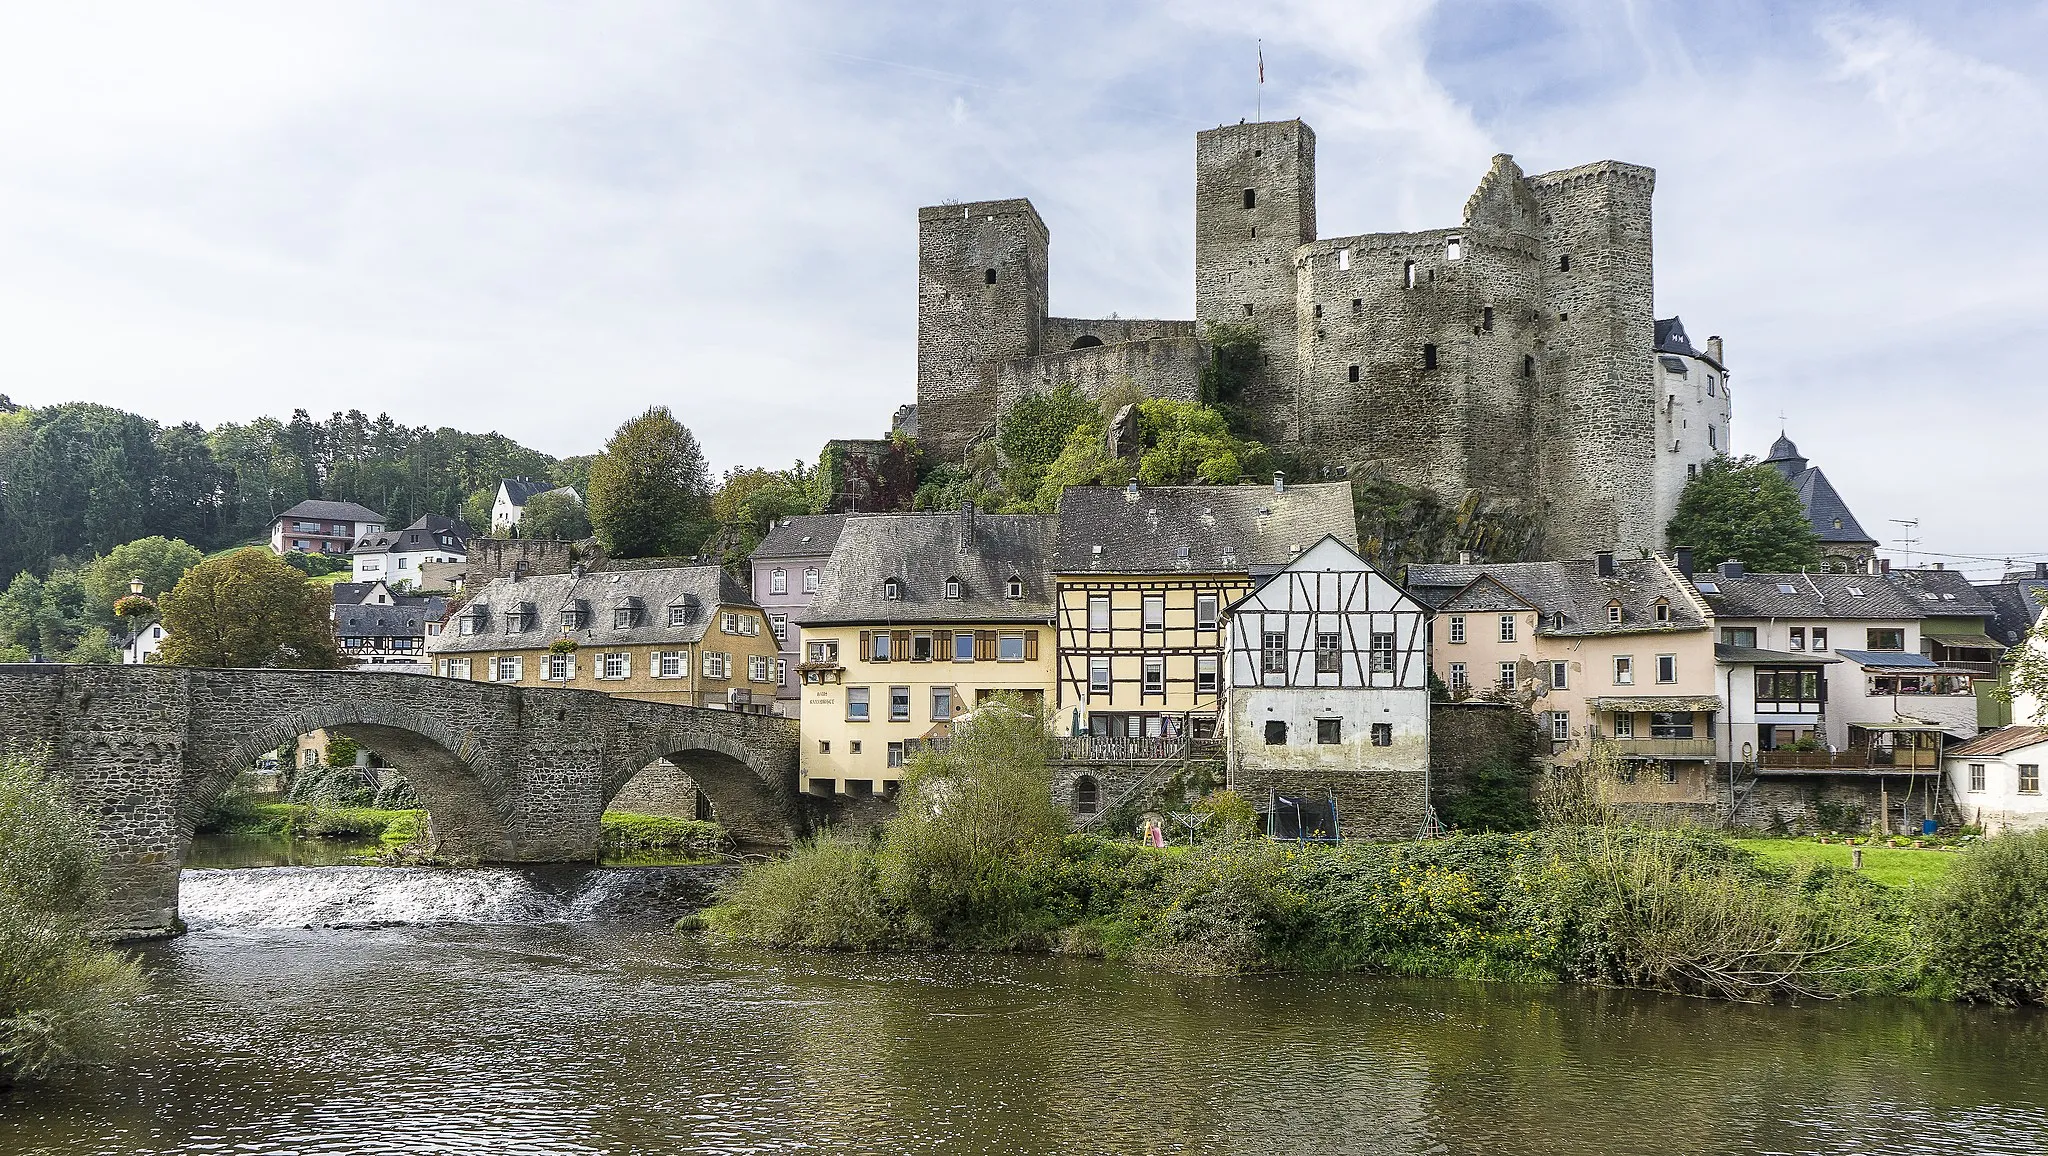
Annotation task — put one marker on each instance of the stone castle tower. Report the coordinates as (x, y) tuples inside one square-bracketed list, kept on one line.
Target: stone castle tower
[(1504, 362)]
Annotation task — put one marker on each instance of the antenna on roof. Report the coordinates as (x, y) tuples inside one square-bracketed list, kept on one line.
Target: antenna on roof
[(1907, 540)]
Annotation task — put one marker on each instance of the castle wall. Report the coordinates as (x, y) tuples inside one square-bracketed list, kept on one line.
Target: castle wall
[(1167, 367), (1061, 333), (1245, 257), (981, 301)]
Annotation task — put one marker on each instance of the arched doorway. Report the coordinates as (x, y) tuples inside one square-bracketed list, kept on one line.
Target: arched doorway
[(1086, 341)]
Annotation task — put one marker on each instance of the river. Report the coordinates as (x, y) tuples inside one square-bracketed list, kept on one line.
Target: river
[(382, 1010)]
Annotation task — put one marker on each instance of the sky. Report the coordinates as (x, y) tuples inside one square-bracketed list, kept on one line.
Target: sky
[(543, 218)]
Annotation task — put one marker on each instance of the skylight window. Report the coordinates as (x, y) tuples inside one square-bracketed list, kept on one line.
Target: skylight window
[(1787, 588), (1708, 587), (1855, 591)]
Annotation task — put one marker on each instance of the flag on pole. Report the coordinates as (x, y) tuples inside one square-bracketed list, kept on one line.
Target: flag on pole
[(1262, 62)]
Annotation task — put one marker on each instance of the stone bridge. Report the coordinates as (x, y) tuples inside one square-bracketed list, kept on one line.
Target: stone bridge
[(506, 774)]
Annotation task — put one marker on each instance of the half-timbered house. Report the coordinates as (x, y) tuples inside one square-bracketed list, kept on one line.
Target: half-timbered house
[(1327, 698)]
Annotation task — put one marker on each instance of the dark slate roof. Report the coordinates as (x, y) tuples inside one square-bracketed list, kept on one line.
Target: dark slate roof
[(1892, 659), (1198, 529), (1573, 588), (1484, 593), (1942, 592), (392, 621), (1998, 742), (332, 512), (521, 490), (402, 541), (921, 551), (1751, 656), (1824, 507), (805, 535), (352, 593), (2015, 607), (653, 591), (1812, 596), (1671, 338)]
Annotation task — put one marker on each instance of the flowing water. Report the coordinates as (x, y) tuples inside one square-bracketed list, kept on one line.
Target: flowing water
[(381, 1010)]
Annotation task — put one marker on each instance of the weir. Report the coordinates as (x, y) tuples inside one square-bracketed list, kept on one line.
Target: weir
[(507, 774)]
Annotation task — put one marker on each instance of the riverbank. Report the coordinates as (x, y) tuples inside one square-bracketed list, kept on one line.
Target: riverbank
[(629, 839)]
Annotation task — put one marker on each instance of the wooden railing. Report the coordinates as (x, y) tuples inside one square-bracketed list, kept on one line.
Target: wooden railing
[(1098, 749), (1654, 748), (1854, 759)]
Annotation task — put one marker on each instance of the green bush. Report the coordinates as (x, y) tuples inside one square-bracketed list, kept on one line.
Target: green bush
[(63, 999), (826, 894), (1496, 797), (1985, 925)]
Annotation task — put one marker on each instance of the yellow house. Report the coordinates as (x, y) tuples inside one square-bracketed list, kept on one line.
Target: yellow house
[(1604, 650), (687, 635), (1145, 576), (918, 619)]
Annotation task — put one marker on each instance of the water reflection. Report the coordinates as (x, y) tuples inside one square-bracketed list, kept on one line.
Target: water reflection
[(601, 1038)]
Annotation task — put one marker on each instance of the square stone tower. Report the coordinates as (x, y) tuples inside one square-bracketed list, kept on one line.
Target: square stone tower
[(982, 295)]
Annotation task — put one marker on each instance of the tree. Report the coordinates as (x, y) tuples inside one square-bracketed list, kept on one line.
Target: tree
[(46, 616), (554, 517), (157, 560), (1189, 444), (1741, 510), (476, 511), (650, 491), (248, 609)]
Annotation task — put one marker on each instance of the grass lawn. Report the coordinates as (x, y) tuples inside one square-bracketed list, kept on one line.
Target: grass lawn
[(1892, 866)]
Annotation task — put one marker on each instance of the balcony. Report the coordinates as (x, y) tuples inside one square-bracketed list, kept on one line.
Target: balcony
[(1103, 749), (1655, 748), (1916, 760)]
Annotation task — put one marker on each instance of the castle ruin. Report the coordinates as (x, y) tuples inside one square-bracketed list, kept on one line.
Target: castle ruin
[(1507, 362)]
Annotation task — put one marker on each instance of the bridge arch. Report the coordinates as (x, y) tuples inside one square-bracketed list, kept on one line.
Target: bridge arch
[(752, 797)]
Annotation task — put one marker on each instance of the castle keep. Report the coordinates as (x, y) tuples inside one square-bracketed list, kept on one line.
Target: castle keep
[(1505, 363)]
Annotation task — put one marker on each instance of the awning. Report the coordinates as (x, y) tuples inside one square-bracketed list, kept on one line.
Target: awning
[(1888, 660), (1966, 641), (1675, 702), (1750, 656)]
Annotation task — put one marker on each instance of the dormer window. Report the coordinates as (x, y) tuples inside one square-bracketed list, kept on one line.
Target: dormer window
[(679, 615), (1663, 610), (952, 588), (1014, 589), (1614, 613), (623, 617), (515, 622), (892, 590), (572, 620)]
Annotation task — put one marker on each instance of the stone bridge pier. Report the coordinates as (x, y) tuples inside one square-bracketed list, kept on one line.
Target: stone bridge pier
[(506, 774)]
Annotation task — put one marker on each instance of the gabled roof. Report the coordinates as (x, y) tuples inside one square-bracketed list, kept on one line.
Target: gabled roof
[(394, 621), (1486, 593), (2015, 607), (1198, 529), (920, 552), (331, 512), (1819, 596), (1571, 594), (428, 531), (1671, 338), (654, 590), (801, 536), (1329, 555), (1942, 592), (1825, 510), (519, 491), (2004, 740)]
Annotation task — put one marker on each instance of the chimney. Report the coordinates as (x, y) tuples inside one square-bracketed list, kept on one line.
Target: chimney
[(1714, 351), (1941, 565), (1464, 557), (1730, 569), (1279, 482), (1884, 565), (1870, 567), (1603, 563), (2041, 570), (967, 525), (1681, 557)]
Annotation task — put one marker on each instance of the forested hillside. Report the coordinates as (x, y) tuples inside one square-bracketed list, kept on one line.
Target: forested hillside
[(78, 479)]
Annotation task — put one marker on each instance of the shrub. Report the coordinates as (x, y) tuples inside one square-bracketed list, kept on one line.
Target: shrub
[(1497, 797), (62, 998), (826, 894), (1231, 815), (1985, 924)]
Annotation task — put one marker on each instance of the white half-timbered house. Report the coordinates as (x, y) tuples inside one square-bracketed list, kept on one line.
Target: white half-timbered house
[(1327, 699)]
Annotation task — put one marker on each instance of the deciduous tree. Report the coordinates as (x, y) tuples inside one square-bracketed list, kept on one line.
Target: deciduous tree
[(1741, 510), (650, 491), (248, 609), (555, 517), (157, 560)]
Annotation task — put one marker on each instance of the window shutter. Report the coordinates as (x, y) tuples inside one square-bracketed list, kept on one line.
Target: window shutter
[(866, 645), (984, 645), (899, 644), (1031, 646)]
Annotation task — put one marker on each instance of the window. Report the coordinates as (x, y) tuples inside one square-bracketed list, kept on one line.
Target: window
[(560, 668), (1528, 365), (895, 754), (1329, 731), (1329, 649), (1798, 635), (1820, 638), (1560, 726), (1667, 668), (892, 589), (824, 746), (1087, 796), (1383, 652), (779, 624), (1624, 670), (1429, 357), (572, 620), (615, 665), (624, 617), (731, 623), (853, 745), (669, 664), (1486, 319), (1564, 263), (942, 703), (680, 616), (1713, 442), (1098, 675), (778, 581), (1507, 676), (856, 704), (1010, 648), (1457, 628), (822, 652), (1710, 385), (1251, 198), (1155, 611), (878, 646), (1343, 260), (1507, 628), (1408, 274), (1453, 249), (717, 665), (952, 588), (1667, 772), (1458, 679), (1383, 734), (1319, 311), (1663, 611), (963, 646), (1098, 613), (515, 622), (1205, 674), (1742, 636), (811, 580), (510, 669), (466, 624), (1977, 778), (1014, 588), (1155, 676), (1886, 639), (759, 668), (1624, 725), (1358, 304), (1558, 671), (1276, 733), (899, 704), (2030, 779), (1665, 724), (1273, 652), (920, 647), (1206, 611), (1614, 613)]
